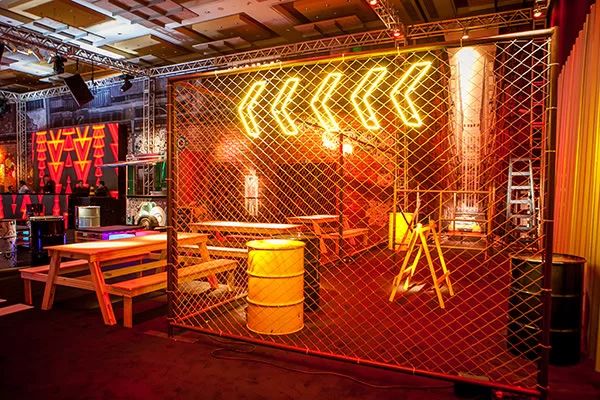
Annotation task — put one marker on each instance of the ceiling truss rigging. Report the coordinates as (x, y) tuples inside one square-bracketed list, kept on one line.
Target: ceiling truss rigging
[(521, 17)]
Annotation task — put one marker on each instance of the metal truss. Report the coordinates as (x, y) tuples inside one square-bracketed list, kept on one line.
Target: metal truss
[(387, 14), (63, 90), (343, 42), (277, 53), (319, 46), (148, 115), (10, 96), (28, 37), (496, 20), (22, 144)]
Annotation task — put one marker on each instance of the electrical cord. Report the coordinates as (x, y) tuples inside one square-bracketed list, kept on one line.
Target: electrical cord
[(248, 348)]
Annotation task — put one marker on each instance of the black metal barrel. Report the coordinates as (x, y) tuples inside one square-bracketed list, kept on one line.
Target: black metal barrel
[(312, 266), (45, 231), (525, 307)]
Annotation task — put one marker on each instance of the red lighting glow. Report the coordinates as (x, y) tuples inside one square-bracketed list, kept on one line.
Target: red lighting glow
[(71, 154)]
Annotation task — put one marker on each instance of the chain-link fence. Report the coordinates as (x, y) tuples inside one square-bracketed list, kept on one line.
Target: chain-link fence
[(413, 179)]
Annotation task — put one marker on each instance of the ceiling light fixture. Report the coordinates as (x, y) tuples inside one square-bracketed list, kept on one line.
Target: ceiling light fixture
[(127, 84)]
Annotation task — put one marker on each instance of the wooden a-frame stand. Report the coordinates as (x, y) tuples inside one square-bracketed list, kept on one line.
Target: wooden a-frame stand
[(421, 233)]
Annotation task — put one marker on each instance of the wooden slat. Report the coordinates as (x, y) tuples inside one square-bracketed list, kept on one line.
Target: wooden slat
[(134, 268), (347, 233), (82, 282)]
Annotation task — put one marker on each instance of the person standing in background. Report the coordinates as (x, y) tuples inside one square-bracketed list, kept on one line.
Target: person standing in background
[(81, 190), (23, 188), (49, 185), (101, 190)]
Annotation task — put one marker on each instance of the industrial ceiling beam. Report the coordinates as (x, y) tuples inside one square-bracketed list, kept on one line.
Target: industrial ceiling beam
[(10, 96), (387, 14), (24, 36), (373, 38), (313, 47)]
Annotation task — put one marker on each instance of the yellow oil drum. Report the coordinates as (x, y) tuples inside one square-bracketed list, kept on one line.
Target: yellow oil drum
[(401, 223), (275, 286)]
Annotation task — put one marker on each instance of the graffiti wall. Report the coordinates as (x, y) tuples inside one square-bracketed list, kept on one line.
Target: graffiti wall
[(73, 153)]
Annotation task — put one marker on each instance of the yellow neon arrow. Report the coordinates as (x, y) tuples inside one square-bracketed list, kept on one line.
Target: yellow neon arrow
[(319, 102), (414, 119), (278, 109), (361, 104), (246, 107)]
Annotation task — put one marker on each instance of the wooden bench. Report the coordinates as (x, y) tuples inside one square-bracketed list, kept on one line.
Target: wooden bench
[(40, 273), (150, 283), (228, 252), (219, 252), (346, 234)]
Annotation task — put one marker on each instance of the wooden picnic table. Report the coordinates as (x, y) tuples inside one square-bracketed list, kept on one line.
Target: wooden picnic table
[(318, 224), (98, 252), (256, 228)]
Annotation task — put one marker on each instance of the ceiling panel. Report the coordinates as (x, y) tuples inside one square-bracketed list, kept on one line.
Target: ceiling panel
[(68, 12)]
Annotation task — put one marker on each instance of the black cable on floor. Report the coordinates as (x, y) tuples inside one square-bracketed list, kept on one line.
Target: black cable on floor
[(248, 348)]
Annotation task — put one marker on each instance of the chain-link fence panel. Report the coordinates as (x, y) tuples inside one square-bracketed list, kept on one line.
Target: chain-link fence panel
[(381, 207)]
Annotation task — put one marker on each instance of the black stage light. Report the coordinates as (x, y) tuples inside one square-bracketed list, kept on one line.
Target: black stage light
[(127, 84), (59, 64)]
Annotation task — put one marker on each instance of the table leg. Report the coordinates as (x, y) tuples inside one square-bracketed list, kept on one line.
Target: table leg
[(102, 295), (51, 280)]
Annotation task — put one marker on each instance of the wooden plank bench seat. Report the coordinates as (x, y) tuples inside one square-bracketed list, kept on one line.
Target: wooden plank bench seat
[(40, 274), (220, 251), (225, 252), (348, 233), (150, 283)]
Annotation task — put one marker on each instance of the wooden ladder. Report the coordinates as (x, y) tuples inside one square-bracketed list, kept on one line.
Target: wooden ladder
[(418, 238)]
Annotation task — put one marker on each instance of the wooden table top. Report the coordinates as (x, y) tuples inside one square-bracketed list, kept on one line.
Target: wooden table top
[(246, 227), (140, 243), (314, 218)]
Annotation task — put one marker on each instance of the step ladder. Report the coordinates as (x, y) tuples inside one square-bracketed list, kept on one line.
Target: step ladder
[(520, 198), (418, 241)]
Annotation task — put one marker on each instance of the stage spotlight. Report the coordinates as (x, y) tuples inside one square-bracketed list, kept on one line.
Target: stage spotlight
[(59, 64), (127, 84), (373, 2), (397, 34), (465, 35), (537, 12)]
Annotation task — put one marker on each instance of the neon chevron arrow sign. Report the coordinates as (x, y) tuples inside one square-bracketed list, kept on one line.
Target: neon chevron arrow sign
[(265, 100)]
